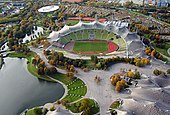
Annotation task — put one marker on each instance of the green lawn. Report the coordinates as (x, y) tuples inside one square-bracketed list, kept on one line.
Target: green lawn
[(76, 87), (49, 15), (90, 46), (73, 22), (164, 50), (75, 107), (30, 112)]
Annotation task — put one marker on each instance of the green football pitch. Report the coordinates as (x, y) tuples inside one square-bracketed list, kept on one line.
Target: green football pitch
[(90, 46)]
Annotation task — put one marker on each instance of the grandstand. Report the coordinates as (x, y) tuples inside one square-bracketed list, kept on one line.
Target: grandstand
[(89, 33)]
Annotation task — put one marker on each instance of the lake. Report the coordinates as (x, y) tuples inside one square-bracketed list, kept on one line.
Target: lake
[(20, 90)]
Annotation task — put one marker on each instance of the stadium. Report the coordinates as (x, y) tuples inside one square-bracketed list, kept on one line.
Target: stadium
[(46, 9), (96, 38)]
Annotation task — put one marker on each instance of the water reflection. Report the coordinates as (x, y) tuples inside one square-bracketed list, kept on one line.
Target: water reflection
[(20, 90)]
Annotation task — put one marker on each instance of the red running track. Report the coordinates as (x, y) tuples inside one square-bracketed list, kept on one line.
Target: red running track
[(112, 47)]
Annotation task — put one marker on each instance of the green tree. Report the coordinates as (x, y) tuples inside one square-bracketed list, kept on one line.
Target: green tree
[(94, 59), (85, 106), (137, 75)]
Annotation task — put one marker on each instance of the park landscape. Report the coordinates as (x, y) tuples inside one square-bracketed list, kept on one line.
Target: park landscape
[(104, 61)]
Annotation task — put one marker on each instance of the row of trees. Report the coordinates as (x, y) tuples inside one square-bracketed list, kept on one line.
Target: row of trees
[(41, 68), (135, 61), (104, 63), (99, 62), (40, 41), (152, 52), (58, 59), (8, 19), (141, 28)]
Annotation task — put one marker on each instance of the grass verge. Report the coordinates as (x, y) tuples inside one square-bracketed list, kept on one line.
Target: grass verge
[(76, 87), (163, 51)]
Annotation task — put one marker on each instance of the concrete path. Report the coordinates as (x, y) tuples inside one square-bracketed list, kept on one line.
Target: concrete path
[(104, 92)]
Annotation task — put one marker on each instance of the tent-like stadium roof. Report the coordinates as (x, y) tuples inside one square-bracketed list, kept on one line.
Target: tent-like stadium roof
[(98, 25), (135, 45), (65, 30), (123, 31), (131, 36)]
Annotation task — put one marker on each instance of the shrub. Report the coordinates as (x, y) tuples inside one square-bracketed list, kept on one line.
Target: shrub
[(137, 75), (130, 74), (168, 71), (94, 59), (52, 108), (158, 72), (118, 86)]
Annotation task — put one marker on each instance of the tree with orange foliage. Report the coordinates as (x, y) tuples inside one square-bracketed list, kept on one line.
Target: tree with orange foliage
[(115, 80), (123, 83), (118, 86), (160, 57), (72, 68), (52, 62), (148, 50), (145, 61), (153, 52), (130, 74), (71, 75), (81, 15), (157, 37)]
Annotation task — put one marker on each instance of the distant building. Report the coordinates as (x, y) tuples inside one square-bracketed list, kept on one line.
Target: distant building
[(72, 1), (160, 3), (163, 3)]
